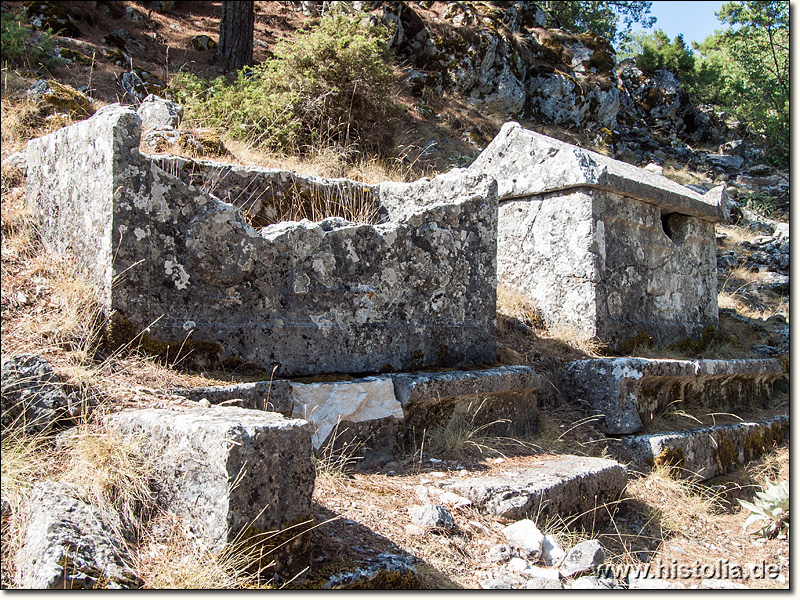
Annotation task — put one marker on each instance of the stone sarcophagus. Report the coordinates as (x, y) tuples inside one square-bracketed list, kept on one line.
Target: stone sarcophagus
[(173, 265), (606, 249)]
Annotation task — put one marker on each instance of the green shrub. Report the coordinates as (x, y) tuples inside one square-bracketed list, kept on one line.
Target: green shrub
[(330, 85), (19, 47)]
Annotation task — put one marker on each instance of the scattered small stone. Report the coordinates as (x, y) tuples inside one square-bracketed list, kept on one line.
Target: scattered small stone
[(590, 582), (496, 584), (518, 564), (543, 573), (540, 583), (552, 552), (525, 536), (433, 516), (454, 500), (586, 556), (721, 584), (500, 553), (638, 581)]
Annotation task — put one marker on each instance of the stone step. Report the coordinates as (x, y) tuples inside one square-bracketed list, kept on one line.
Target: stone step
[(373, 409), (705, 452), (629, 391), (546, 487)]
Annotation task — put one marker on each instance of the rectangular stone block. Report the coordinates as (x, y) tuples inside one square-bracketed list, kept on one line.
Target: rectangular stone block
[(190, 272), (327, 405), (230, 473), (414, 388), (705, 452), (564, 486), (607, 250), (272, 396), (627, 391)]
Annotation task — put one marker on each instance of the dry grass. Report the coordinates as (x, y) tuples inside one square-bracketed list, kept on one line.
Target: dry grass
[(682, 174), (114, 472), (169, 559), (329, 163)]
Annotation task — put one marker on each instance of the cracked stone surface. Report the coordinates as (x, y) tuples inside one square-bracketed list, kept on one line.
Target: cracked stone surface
[(70, 544), (567, 485), (628, 391), (417, 289)]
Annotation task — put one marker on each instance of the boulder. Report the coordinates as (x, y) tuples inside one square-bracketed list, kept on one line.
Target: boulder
[(70, 544), (432, 516), (33, 398), (157, 113), (56, 97), (203, 42)]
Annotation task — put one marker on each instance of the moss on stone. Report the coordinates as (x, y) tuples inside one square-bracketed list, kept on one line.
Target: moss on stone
[(673, 459), (726, 455), (75, 56), (323, 378), (640, 340)]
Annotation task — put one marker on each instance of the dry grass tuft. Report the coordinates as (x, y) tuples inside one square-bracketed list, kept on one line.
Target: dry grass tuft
[(328, 162), (114, 472), (169, 559)]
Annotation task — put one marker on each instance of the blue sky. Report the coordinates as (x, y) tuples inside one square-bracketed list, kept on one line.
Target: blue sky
[(695, 20)]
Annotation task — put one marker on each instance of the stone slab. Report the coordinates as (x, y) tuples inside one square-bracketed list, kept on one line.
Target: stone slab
[(564, 486), (70, 544), (413, 388), (230, 473), (705, 452), (272, 396), (627, 391), (326, 405), (526, 163)]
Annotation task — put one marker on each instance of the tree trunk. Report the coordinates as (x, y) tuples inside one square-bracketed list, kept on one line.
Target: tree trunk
[(236, 33)]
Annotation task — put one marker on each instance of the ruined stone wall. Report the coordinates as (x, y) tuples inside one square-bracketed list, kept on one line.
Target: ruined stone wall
[(305, 297)]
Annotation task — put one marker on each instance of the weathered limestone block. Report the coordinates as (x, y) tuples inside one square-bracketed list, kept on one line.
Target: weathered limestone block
[(417, 289), (567, 485), (705, 452), (413, 388), (272, 396), (70, 544), (629, 391), (229, 473), (606, 249), (326, 405)]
